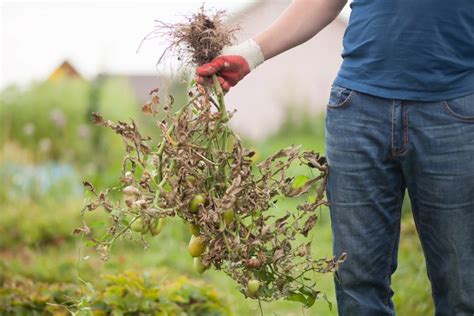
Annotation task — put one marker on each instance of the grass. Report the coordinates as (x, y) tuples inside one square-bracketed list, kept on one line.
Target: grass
[(36, 242), (62, 263)]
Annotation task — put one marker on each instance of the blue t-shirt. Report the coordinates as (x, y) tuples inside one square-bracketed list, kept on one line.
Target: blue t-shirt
[(410, 49)]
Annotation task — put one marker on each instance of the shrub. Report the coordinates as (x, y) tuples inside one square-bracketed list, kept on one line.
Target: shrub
[(125, 294), (36, 224), (131, 293), (52, 119)]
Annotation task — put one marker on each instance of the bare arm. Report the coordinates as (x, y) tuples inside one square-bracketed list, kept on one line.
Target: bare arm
[(301, 21), (298, 23)]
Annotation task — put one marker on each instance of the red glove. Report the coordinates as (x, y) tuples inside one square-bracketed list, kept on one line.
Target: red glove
[(233, 65), (230, 69)]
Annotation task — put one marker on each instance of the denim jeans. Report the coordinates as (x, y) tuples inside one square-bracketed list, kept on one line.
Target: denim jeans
[(376, 149)]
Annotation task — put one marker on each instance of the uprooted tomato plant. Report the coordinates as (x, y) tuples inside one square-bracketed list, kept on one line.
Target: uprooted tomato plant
[(198, 169)]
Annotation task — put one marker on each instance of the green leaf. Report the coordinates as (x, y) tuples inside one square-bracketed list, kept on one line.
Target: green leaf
[(310, 299), (310, 296), (328, 301), (90, 243), (124, 222), (299, 181), (297, 297), (264, 275), (167, 187)]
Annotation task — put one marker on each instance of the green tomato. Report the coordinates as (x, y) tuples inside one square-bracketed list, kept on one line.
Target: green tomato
[(196, 202), (158, 227), (252, 287), (228, 216), (194, 229), (196, 246), (139, 226), (199, 266)]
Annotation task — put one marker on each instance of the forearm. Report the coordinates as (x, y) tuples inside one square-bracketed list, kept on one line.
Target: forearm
[(301, 20), (298, 23)]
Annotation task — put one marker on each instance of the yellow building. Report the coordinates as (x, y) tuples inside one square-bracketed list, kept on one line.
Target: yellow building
[(64, 70)]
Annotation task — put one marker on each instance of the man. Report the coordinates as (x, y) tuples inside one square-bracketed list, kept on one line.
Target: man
[(400, 117)]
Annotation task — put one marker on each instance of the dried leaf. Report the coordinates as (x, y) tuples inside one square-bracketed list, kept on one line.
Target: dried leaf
[(309, 224)]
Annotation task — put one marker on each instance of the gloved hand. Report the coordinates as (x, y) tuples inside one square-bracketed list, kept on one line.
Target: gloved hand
[(234, 63)]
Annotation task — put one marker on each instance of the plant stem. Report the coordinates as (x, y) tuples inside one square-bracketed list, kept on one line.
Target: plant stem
[(260, 306), (224, 117), (120, 233), (169, 131), (220, 98)]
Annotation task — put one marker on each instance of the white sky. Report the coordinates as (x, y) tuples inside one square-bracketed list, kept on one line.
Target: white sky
[(94, 35)]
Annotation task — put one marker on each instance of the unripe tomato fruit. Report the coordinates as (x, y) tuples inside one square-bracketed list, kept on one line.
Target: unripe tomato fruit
[(228, 216), (139, 226), (158, 227), (196, 246), (194, 229), (199, 266), (252, 287), (196, 202)]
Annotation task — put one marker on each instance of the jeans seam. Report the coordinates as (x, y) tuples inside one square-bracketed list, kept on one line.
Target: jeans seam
[(399, 152), (344, 102), (405, 123), (451, 112), (423, 249), (393, 124), (391, 250), (395, 151)]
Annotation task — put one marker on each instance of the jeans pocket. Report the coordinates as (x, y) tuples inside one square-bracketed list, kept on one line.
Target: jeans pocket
[(461, 108), (339, 97)]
